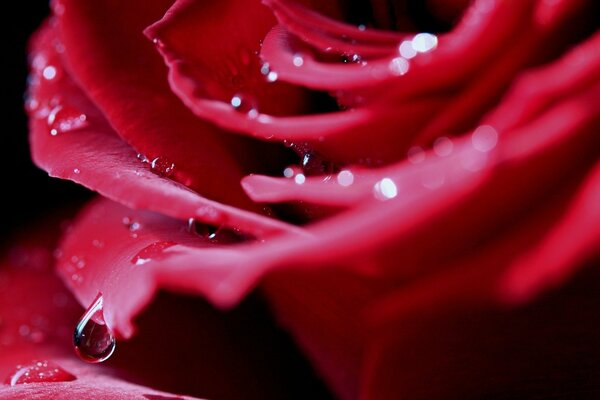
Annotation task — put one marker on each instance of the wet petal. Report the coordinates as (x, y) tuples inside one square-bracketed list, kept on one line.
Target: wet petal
[(93, 155)]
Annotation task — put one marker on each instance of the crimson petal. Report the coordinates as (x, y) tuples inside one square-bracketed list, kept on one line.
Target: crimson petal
[(93, 155), (125, 79)]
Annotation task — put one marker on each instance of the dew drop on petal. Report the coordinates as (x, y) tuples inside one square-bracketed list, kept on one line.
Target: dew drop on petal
[(151, 252), (49, 72), (162, 166), (406, 49), (424, 42), (298, 60), (38, 371), (398, 66), (65, 119), (345, 178), (385, 189), (244, 104), (300, 179), (92, 338)]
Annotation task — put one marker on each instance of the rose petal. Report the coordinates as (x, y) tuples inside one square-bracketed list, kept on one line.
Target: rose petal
[(125, 79), (93, 155)]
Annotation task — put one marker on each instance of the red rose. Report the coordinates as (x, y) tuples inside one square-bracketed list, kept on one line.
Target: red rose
[(439, 196)]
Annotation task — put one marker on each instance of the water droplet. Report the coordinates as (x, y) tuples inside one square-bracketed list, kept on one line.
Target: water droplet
[(272, 76), (92, 339), (300, 179), (64, 119), (244, 104), (131, 224), (291, 171), (399, 66), (345, 178), (38, 371), (76, 171), (443, 146), (484, 138), (362, 27), (313, 163), (162, 167), (352, 58), (203, 230), (298, 60), (265, 69), (385, 189), (49, 72), (406, 49), (151, 252), (424, 42)]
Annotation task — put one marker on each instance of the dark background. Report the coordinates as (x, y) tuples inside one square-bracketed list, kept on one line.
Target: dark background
[(27, 193)]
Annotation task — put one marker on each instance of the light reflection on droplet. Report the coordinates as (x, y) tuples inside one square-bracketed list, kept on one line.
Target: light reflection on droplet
[(416, 155), (272, 76), (162, 167), (288, 172), (64, 119), (406, 49), (300, 179), (92, 338), (424, 42), (298, 61), (385, 189), (265, 69), (49, 72), (345, 178), (76, 171), (398, 66), (443, 146), (242, 103), (484, 138)]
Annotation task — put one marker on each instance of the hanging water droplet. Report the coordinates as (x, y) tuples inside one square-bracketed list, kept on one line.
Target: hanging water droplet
[(151, 252), (162, 166), (64, 119), (244, 104), (38, 371), (92, 339)]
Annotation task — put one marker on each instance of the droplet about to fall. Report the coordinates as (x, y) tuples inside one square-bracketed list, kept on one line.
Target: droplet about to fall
[(92, 338)]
